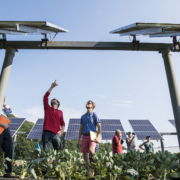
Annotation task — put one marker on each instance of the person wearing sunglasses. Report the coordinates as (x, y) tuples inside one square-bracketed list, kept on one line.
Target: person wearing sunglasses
[(89, 122), (149, 146), (54, 124)]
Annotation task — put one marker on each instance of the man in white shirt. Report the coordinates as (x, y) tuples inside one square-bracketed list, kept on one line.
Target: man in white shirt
[(6, 140)]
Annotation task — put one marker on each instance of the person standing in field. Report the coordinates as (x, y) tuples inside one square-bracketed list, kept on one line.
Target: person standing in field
[(89, 122), (6, 140), (130, 142), (53, 127), (116, 142), (149, 146)]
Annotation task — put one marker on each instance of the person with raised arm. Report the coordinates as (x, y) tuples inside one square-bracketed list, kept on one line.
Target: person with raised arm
[(53, 127), (130, 142), (6, 140), (116, 142), (149, 146), (89, 122)]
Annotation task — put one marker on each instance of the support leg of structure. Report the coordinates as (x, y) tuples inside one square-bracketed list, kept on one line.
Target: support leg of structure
[(5, 73), (162, 145), (173, 88), (64, 140), (14, 144)]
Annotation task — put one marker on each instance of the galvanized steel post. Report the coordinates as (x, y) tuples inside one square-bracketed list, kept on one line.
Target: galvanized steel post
[(173, 88), (5, 73)]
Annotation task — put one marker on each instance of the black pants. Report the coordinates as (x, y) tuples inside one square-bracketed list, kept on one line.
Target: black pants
[(49, 137), (7, 146)]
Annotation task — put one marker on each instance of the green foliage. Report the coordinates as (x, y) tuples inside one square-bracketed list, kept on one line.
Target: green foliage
[(65, 164)]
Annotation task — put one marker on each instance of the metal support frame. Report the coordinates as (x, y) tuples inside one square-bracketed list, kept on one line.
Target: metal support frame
[(5, 73), (64, 141), (14, 145), (173, 88), (162, 145)]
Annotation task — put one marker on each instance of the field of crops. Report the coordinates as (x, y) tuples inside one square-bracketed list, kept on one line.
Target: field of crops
[(47, 164)]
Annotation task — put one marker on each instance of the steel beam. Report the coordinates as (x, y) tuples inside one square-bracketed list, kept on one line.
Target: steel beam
[(173, 88), (87, 45), (5, 73), (14, 145)]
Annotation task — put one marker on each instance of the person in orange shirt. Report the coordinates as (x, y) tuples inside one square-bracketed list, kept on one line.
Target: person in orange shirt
[(116, 142)]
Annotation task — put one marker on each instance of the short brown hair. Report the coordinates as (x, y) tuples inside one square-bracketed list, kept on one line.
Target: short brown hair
[(93, 104)]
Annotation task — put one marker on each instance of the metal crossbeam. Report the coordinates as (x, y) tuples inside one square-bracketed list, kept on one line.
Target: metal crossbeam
[(87, 45)]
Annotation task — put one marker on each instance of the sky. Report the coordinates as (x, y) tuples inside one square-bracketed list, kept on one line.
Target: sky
[(123, 84)]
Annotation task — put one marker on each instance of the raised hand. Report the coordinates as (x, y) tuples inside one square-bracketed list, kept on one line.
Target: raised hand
[(54, 84)]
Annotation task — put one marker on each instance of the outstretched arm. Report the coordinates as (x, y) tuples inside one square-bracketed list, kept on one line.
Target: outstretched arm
[(45, 100), (52, 86)]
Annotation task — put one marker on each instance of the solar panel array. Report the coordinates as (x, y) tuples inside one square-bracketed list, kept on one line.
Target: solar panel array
[(36, 132), (73, 129), (172, 122), (108, 128), (143, 128), (15, 124)]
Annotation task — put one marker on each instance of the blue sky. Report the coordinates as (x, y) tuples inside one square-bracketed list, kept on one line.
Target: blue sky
[(123, 84)]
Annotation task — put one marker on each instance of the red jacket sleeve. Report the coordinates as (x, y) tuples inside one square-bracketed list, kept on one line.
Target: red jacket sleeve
[(62, 120), (45, 101)]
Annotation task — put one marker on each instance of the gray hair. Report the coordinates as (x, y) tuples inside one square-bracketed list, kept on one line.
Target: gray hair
[(117, 131)]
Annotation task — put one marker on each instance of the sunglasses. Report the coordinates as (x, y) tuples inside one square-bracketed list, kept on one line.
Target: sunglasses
[(89, 103), (54, 99)]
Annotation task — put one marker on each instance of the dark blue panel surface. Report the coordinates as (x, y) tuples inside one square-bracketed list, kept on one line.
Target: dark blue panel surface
[(110, 135), (72, 135), (110, 121), (40, 121), (172, 122), (140, 122), (105, 127), (73, 127), (36, 132), (74, 121), (15, 124), (154, 135), (143, 128)]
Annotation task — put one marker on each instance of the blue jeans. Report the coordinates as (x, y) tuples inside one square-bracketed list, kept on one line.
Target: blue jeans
[(49, 137)]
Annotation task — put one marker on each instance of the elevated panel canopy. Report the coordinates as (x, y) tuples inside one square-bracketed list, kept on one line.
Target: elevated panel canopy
[(15, 124), (143, 128), (37, 130), (151, 29), (29, 27)]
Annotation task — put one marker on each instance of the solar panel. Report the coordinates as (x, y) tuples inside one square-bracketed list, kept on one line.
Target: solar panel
[(72, 135), (37, 130), (29, 27), (15, 124), (74, 121), (172, 122), (143, 128), (73, 127), (108, 128), (154, 135), (110, 121), (109, 135), (151, 29)]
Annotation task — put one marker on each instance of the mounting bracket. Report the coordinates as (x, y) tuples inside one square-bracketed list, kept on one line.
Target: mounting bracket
[(44, 41), (135, 43)]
